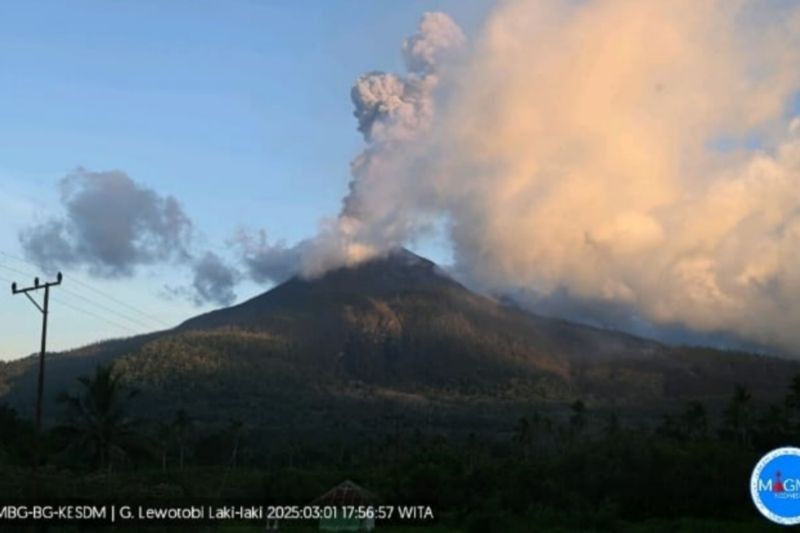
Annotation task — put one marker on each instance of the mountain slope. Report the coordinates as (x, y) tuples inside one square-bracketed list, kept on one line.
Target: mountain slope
[(395, 330)]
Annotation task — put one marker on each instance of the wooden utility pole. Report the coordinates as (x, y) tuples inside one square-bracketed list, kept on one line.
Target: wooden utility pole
[(44, 309)]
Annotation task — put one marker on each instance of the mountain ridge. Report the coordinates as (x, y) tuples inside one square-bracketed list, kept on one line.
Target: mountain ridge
[(392, 329)]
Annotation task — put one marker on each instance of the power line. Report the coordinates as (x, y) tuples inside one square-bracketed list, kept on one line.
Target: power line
[(14, 270), (96, 291), (105, 308), (81, 310), (161, 323), (72, 293), (94, 315), (158, 322), (72, 306), (11, 269)]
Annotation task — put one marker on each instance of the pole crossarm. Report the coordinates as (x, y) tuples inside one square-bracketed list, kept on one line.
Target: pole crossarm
[(37, 286)]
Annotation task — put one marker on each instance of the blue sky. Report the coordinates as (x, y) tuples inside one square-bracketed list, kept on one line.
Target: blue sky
[(239, 109)]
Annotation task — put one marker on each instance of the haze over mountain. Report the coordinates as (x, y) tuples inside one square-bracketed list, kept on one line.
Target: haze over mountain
[(393, 333), (647, 155)]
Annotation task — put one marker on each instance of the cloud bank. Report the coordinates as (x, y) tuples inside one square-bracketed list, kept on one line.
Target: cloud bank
[(113, 225)]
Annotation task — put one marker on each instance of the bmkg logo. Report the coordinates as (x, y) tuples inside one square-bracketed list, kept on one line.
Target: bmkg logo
[(775, 486)]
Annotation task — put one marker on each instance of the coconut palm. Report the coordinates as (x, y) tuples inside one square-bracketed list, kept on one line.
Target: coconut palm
[(793, 405), (577, 419), (694, 421), (165, 434), (523, 436), (738, 416), (793, 397), (98, 422), (235, 430), (182, 426)]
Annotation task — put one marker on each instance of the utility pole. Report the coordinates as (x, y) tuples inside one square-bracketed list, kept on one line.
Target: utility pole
[(44, 309)]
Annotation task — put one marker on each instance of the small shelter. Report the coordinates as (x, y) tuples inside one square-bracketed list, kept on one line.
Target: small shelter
[(348, 494)]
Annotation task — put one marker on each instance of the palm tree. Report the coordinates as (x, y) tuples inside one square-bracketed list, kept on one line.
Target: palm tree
[(578, 419), (182, 425), (97, 419), (773, 425), (793, 398), (523, 436), (793, 404), (694, 421), (668, 427), (235, 429), (612, 426), (16, 439), (165, 433), (472, 451), (738, 415)]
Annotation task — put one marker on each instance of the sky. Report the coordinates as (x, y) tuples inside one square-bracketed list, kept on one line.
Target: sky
[(237, 109), (631, 165)]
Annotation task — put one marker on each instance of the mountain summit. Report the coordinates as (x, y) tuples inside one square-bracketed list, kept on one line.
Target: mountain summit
[(400, 271)]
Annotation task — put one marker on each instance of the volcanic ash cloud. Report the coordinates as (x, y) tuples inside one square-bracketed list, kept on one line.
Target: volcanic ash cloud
[(641, 154)]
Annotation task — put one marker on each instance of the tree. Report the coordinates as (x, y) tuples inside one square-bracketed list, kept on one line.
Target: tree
[(523, 436), (694, 421), (235, 430), (793, 404), (612, 426), (793, 397), (16, 436), (577, 421), (97, 420), (738, 415), (772, 426), (182, 425), (668, 427), (165, 433)]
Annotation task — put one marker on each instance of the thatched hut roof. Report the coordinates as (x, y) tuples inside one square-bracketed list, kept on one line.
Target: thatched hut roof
[(346, 493)]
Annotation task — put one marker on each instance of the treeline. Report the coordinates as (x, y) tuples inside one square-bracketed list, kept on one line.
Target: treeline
[(584, 468)]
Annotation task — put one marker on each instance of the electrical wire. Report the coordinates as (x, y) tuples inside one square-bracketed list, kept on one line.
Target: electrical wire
[(91, 314), (84, 311), (72, 278)]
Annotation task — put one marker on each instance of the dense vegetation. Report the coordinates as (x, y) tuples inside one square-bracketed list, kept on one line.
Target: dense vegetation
[(392, 329), (397, 377), (574, 468)]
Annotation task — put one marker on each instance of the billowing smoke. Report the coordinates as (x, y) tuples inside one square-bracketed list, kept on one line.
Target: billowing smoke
[(111, 225), (581, 155), (637, 154), (266, 262), (214, 280), (393, 112), (437, 38), (632, 161)]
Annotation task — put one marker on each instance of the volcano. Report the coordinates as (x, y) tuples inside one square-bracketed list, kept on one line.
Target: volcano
[(395, 332)]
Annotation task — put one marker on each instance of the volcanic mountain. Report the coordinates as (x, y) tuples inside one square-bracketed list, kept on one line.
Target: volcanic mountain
[(394, 332)]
